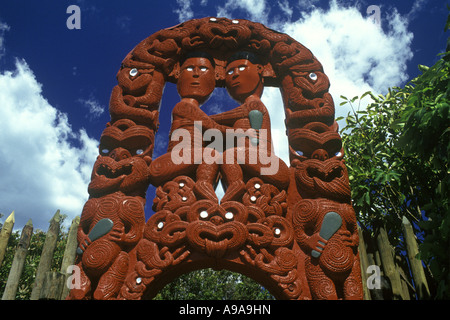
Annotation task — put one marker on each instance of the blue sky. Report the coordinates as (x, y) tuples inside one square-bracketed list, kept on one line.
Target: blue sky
[(55, 83)]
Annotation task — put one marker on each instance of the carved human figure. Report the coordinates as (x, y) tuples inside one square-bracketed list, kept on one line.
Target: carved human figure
[(327, 233), (195, 84), (117, 189), (245, 83)]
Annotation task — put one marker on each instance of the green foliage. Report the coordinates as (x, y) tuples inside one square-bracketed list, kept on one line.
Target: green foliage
[(397, 155), (208, 284)]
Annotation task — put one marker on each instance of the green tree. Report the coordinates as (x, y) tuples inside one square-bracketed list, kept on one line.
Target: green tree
[(208, 284), (397, 156)]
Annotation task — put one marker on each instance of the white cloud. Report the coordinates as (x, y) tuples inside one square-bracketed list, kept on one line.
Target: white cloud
[(3, 28), (357, 55), (94, 107), (417, 6), (41, 170), (307, 4), (286, 8), (256, 9), (274, 104), (184, 10)]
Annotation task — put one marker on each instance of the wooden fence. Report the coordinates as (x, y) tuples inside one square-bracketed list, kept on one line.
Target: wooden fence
[(385, 274), (388, 275), (47, 285)]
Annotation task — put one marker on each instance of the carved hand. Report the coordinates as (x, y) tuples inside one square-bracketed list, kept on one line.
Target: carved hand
[(316, 242)]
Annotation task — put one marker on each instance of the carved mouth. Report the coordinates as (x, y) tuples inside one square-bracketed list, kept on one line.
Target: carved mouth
[(327, 176), (110, 173), (217, 237)]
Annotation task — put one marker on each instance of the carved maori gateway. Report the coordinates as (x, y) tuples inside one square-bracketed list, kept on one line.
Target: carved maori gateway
[(294, 230)]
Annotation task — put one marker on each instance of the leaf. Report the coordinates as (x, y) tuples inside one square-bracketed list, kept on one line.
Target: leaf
[(365, 94), (374, 97), (423, 68)]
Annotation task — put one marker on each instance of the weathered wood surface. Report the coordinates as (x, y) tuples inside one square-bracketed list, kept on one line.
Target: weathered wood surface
[(18, 263), (364, 264), (420, 280), (53, 286), (5, 234), (69, 253), (46, 256), (389, 267)]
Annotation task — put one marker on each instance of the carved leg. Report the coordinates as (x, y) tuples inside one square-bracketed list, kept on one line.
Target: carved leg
[(352, 285), (321, 286), (234, 184), (110, 283), (206, 177), (233, 177), (85, 286)]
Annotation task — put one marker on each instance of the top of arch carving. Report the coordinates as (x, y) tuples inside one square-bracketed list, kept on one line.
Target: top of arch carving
[(221, 37)]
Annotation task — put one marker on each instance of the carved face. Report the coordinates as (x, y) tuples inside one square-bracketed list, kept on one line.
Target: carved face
[(197, 79), (323, 179), (308, 144), (243, 79), (123, 161)]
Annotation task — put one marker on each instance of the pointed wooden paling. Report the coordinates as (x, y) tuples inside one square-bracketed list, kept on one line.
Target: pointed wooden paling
[(46, 256), (5, 234), (18, 263)]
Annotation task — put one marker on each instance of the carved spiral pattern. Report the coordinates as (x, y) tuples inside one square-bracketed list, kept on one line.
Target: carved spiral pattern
[(336, 258), (99, 256)]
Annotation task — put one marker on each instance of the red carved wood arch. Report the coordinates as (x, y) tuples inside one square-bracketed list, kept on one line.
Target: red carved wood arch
[(295, 232)]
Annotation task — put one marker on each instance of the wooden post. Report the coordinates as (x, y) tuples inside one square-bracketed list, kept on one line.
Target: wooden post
[(46, 256), (69, 253), (52, 286), (401, 265), (19, 261), (388, 263), (5, 234), (420, 281), (364, 264)]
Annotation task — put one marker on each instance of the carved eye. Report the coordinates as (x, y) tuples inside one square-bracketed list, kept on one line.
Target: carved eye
[(190, 69), (105, 151), (139, 151), (300, 153), (242, 68), (338, 154), (230, 72), (203, 69), (313, 76), (133, 72)]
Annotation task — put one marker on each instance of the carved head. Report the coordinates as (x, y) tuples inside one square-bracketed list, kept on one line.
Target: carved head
[(197, 77), (122, 165), (243, 76)]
